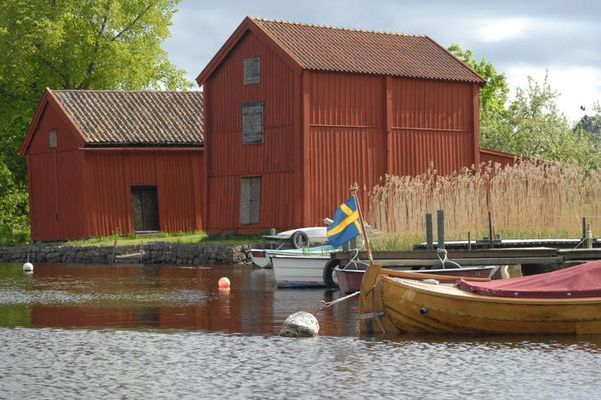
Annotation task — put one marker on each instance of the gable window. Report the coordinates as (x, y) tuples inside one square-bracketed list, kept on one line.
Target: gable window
[(52, 138), (250, 200), (252, 123), (252, 70)]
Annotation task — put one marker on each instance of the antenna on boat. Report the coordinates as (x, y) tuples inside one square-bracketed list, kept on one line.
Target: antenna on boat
[(354, 190)]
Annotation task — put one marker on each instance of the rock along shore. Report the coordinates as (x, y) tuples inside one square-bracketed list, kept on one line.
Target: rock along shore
[(152, 253)]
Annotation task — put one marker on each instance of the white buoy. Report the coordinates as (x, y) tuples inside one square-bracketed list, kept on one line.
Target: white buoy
[(27, 267), (300, 324)]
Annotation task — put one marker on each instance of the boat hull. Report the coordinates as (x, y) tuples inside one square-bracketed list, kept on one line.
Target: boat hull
[(262, 257), (299, 271), (349, 280), (418, 307)]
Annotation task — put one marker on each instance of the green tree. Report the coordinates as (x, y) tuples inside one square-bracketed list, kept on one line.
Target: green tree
[(13, 208), (493, 98), (76, 44), (531, 124), (538, 129), (592, 123)]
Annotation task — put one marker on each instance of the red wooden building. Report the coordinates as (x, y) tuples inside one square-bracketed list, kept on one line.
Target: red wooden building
[(105, 162), (293, 114), (296, 113)]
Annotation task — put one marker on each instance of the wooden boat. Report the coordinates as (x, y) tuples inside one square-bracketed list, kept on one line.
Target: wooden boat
[(568, 302), (349, 280)]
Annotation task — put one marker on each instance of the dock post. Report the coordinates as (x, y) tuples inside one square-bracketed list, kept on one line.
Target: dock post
[(469, 241), (491, 243), (589, 237), (429, 232), (584, 228), (440, 227)]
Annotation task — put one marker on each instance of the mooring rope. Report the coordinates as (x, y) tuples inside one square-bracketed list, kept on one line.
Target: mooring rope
[(444, 259), (327, 304)]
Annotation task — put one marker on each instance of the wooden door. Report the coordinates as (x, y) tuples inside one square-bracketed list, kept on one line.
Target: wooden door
[(145, 206)]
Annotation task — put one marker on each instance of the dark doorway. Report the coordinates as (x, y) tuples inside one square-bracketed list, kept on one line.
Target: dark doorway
[(146, 208)]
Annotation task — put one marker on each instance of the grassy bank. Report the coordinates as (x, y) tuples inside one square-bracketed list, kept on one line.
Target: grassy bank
[(162, 237)]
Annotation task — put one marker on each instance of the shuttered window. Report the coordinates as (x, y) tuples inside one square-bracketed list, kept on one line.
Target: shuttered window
[(252, 70), (250, 200), (252, 123), (53, 138)]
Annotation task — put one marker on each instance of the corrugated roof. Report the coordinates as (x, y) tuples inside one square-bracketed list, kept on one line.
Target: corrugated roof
[(326, 48), (152, 118)]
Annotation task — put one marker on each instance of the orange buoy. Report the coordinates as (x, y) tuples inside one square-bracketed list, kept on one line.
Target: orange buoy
[(224, 283)]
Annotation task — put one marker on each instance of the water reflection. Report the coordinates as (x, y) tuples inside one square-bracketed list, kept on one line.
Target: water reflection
[(160, 297), (167, 349)]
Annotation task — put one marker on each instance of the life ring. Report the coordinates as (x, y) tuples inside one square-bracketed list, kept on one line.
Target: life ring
[(328, 274), (299, 239)]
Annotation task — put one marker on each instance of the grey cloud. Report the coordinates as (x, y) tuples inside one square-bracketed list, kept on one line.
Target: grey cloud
[(200, 28)]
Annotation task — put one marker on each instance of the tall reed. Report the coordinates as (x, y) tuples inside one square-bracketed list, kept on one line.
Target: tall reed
[(527, 199)]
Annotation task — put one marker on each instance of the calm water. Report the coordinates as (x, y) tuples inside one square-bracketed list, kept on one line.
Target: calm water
[(96, 331)]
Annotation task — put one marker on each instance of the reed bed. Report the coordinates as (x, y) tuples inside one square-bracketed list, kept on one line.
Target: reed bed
[(527, 199)]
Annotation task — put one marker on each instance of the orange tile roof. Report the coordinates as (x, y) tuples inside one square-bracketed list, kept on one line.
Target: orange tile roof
[(325, 48), (155, 118)]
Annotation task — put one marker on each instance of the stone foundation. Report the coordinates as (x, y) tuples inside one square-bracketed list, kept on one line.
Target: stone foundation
[(156, 253)]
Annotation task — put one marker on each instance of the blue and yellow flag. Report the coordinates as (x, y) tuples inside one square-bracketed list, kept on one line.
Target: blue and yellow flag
[(346, 223)]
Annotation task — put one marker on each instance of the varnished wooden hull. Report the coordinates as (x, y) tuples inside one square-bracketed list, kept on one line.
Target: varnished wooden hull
[(417, 307), (349, 280)]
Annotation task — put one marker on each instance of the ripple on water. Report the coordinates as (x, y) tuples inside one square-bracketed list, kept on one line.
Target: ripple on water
[(180, 297), (195, 362), (46, 363)]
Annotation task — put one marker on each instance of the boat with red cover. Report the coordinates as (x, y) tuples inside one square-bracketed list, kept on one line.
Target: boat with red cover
[(349, 279), (566, 301)]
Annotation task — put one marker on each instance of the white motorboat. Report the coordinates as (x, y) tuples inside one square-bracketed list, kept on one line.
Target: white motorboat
[(299, 270), (262, 257)]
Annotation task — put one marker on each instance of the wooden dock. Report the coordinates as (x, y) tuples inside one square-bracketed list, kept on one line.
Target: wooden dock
[(532, 260)]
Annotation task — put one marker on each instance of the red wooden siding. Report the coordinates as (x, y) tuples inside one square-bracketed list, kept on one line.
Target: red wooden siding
[(276, 160), (362, 127), (432, 121), (55, 196), (109, 175), (347, 143), (497, 157)]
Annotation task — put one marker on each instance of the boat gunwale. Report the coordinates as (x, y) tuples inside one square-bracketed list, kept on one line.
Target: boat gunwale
[(461, 295)]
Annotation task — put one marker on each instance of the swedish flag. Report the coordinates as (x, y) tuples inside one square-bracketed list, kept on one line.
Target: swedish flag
[(346, 223)]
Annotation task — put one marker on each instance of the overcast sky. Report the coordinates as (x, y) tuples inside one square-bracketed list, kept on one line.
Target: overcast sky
[(519, 37)]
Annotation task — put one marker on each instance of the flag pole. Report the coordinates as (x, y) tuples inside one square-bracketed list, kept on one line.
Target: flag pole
[(354, 190)]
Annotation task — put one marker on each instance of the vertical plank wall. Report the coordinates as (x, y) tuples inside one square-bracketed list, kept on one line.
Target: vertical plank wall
[(346, 138), (362, 127), (110, 173), (55, 191), (276, 160), (432, 121)]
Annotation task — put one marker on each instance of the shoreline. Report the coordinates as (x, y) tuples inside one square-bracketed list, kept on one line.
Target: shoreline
[(149, 253)]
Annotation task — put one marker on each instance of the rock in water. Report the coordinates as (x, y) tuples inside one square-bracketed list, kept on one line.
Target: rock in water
[(300, 324)]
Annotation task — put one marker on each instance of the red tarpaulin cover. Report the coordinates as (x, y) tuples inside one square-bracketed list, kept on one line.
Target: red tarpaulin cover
[(580, 281)]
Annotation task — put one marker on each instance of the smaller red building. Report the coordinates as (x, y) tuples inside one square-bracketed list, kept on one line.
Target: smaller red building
[(105, 162)]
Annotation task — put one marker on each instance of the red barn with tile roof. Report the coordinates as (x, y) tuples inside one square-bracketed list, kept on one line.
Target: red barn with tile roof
[(296, 113), (105, 162)]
